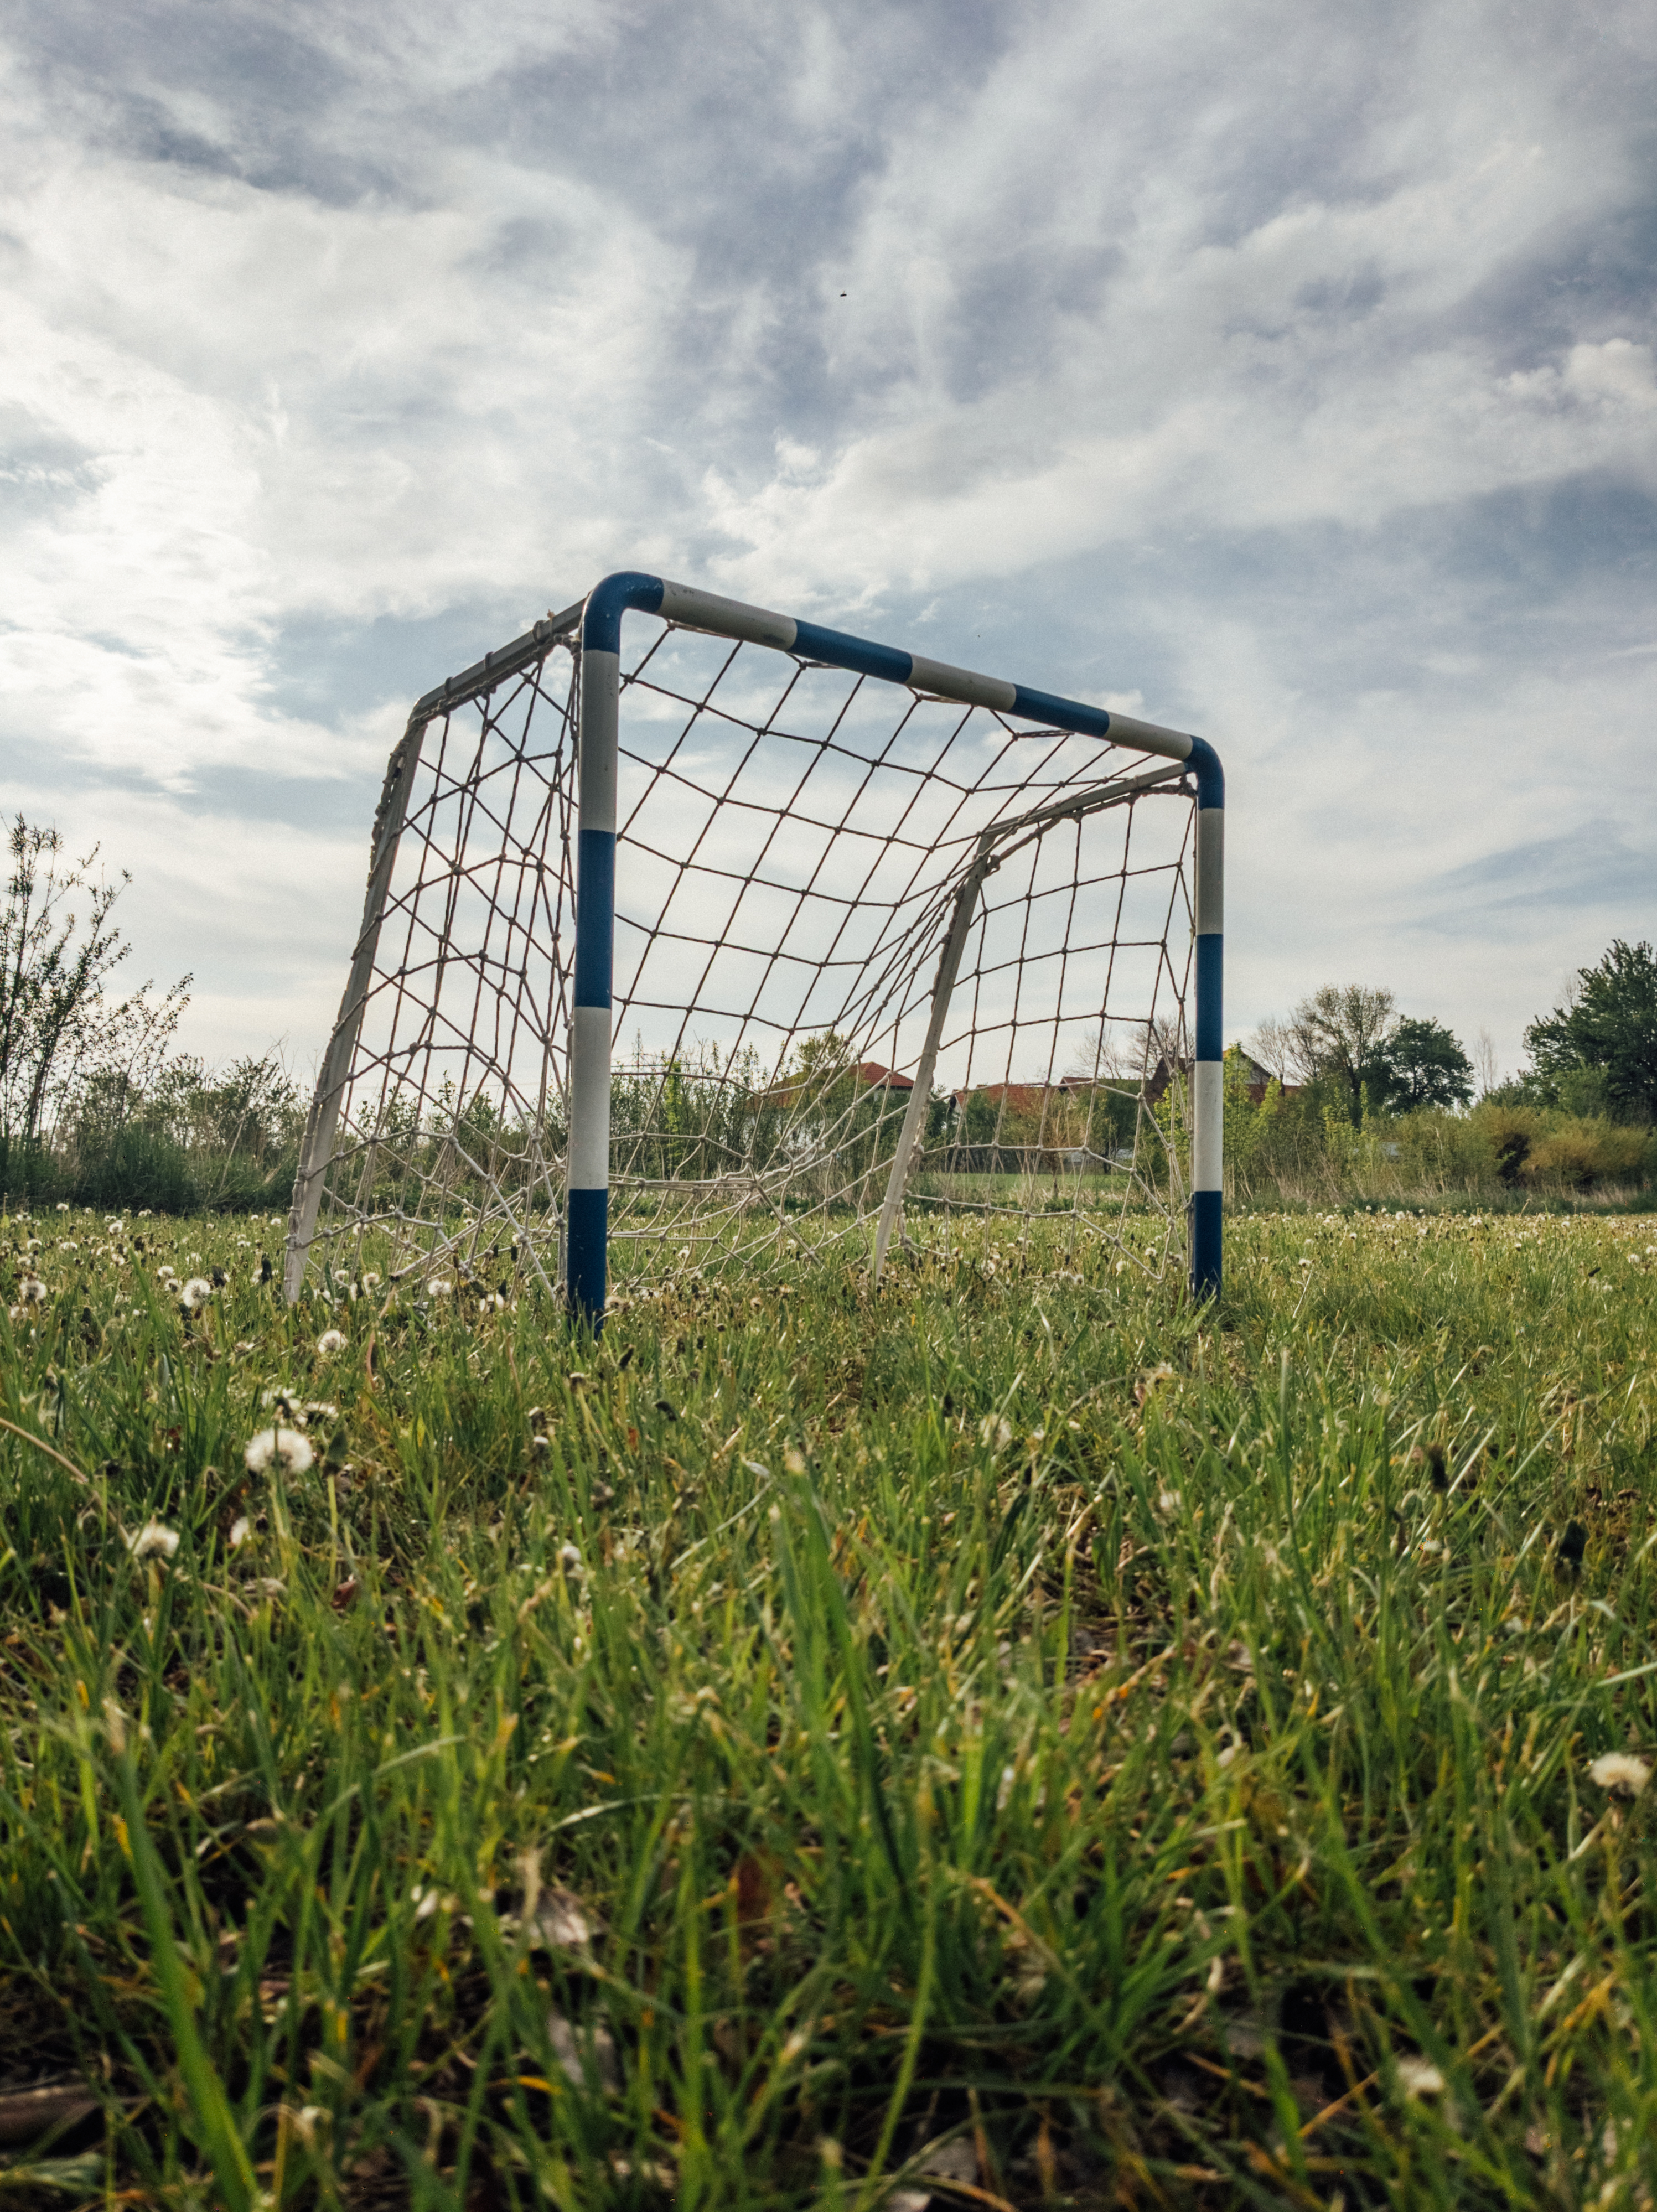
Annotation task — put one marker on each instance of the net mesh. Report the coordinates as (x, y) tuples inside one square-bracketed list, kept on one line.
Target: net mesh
[(804, 857)]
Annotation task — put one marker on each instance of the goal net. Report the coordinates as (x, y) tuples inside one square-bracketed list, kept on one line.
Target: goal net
[(890, 954)]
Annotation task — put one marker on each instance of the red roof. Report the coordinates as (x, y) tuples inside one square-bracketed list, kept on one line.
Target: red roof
[(1014, 1097), (871, 1072)]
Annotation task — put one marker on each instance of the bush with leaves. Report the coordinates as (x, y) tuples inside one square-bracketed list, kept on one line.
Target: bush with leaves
[(1608, 1026)]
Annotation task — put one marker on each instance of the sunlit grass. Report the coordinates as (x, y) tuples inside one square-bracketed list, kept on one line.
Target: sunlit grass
[(1012, 1723)]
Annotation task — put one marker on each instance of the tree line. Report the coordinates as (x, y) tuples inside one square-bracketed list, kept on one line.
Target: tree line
[(1595, 1056), (98, 1107), (1354, 1084)]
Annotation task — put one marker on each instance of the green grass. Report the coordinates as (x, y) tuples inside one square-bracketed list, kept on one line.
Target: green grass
[(1144, 1750)]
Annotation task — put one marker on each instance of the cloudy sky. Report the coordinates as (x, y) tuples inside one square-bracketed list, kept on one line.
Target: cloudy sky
[(1288, 368)]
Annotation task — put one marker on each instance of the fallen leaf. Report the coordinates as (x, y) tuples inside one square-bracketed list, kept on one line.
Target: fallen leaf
[(26, 2113)]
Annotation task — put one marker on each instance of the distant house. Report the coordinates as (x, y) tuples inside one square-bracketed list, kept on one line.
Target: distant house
[(867, 1075), (1260, 1079), (1006, 1097), (871, 1072)]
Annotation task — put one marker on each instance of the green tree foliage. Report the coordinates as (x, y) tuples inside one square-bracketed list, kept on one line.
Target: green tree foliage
[(1422, 1063), (1340, 1035), (1350, 1043), (1608, 1022), (980, 1119)]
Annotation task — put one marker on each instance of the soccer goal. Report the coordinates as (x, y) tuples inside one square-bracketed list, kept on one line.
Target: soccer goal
[(697, 937)]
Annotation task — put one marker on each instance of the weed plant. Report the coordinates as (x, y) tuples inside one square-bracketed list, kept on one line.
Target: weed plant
[(1013, 1738)]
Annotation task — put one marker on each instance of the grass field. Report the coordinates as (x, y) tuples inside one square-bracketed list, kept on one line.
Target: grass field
[(1013, 1739)]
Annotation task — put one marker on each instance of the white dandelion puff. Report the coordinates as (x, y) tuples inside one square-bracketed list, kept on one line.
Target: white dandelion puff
[(1419, 2077), (439, 1287), (154, 1539), (63, 1205), (1620, 1770), (196, 1293), (31, 1291), (559, 1919), (283, 1448), (331, 1341), (67, 1244), (240, 1529)]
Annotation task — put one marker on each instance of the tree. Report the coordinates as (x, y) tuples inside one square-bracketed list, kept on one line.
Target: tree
[(1608, 1021), (1272, 1048), (1422, 1063), (57, 1031), (1340, 1034), (1353, 1039)]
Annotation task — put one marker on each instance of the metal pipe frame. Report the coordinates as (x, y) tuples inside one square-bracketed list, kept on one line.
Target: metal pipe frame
[(587, 1215)]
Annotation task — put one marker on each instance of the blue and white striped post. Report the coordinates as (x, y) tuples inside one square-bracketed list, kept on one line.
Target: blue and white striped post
[(586, 1223), (1208, 1085), (587, 1217)]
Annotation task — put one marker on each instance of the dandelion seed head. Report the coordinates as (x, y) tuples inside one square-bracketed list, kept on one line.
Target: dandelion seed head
[(1419, 2077), (196, 1293), (331, 1341), (1620, 1771), (439, 1287), (31, 1291), (240, 1529), (154, 1539), (278, 1447), (559, 1920)]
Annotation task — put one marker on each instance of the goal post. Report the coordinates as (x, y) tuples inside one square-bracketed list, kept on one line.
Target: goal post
[(871, 901)]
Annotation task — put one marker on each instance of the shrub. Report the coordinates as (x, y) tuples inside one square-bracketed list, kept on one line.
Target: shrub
[(1575, 1155), (135, 1168), (1511, 1132)]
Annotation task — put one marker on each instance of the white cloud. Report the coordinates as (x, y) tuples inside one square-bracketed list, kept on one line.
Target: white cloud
[(1231, 359)]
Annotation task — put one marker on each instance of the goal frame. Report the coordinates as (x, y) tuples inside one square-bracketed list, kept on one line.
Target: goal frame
[(598, 747)]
